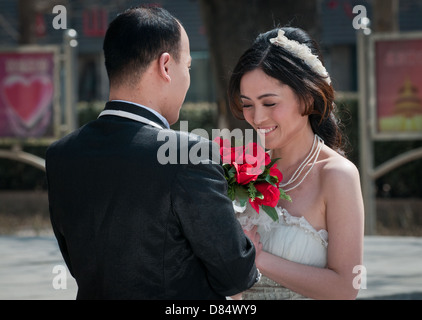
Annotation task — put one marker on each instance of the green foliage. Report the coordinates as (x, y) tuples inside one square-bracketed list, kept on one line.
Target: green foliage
[(88, 111), (271, 212), (20, 176), (199, 116)]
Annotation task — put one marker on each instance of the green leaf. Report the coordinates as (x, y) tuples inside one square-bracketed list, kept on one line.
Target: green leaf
[(271, 180), (231, 173), (231, 193), (272, 213), (243, 202), (252, 191), (259, 195), (241, 194), (285, 196)]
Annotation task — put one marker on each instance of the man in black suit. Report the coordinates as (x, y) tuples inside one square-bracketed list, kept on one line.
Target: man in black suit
[(128, 226)]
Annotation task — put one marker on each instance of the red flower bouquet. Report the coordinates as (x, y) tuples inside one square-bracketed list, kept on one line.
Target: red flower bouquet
[(252, 176)]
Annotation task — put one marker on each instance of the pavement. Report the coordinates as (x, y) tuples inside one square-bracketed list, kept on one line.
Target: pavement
[(32, 268)]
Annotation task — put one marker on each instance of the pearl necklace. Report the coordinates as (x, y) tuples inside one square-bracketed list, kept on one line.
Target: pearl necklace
[(311, 158)]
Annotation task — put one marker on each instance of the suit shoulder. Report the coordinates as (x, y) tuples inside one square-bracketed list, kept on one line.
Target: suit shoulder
[(63, 142)]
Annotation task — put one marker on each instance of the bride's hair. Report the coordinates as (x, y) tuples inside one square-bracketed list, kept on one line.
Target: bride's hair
[(311, 87)]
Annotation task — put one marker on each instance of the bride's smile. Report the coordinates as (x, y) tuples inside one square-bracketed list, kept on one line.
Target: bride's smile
[(267, 130)]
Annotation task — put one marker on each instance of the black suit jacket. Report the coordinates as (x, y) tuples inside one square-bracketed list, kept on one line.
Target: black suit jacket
[(130, 227)]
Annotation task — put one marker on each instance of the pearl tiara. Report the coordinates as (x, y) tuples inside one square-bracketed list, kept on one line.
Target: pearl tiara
[(303, 52)]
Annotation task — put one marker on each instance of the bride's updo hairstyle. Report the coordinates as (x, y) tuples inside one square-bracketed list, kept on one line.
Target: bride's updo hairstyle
[(311, 85)]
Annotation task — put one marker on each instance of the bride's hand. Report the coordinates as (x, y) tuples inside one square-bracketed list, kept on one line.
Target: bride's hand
[(254, 236)]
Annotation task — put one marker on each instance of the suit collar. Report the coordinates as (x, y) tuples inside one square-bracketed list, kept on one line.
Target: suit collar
[(137, 110)]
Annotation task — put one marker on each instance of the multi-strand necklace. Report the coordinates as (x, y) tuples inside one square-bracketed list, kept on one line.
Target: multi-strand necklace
[(309, 162)]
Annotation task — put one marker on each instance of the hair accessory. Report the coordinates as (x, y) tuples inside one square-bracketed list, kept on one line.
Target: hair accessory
[(303, 52)]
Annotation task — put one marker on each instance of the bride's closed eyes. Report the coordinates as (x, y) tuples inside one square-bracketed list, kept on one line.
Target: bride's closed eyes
[(246, 105), (269, 104)]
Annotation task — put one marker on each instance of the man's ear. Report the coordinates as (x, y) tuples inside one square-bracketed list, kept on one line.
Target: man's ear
[(163, 66)]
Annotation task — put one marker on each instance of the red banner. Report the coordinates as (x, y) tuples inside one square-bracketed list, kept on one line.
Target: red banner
[(399, 85), (26, 94)]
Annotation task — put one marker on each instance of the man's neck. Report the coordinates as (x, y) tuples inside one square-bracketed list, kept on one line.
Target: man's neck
[(128, 95)]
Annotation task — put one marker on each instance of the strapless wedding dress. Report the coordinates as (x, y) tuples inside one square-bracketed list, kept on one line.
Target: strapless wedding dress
[(292, 238)]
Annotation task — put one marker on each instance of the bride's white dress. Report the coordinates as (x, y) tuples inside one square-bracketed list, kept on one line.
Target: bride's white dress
[(292, 238)]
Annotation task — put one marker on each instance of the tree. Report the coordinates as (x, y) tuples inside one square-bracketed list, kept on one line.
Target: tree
[(28, 10), (232, 25), (386, 15)]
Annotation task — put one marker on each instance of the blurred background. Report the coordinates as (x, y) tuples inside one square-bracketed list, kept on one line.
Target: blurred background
[(219, 32)]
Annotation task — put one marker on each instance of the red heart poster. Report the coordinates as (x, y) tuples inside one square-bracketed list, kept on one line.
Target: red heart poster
[(26, 94), (399, 86)]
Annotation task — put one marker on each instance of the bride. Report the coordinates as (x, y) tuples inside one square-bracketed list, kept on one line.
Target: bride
[(281, 88)]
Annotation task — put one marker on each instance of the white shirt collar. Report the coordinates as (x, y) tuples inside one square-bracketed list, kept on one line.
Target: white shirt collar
[(164, 120)]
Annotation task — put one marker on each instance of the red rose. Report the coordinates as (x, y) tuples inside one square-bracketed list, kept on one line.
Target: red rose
[(255, 155), (271, 196), (225, 150), (244, 173), (277, 173), (253, 162), (249, 161), (228, 154)]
